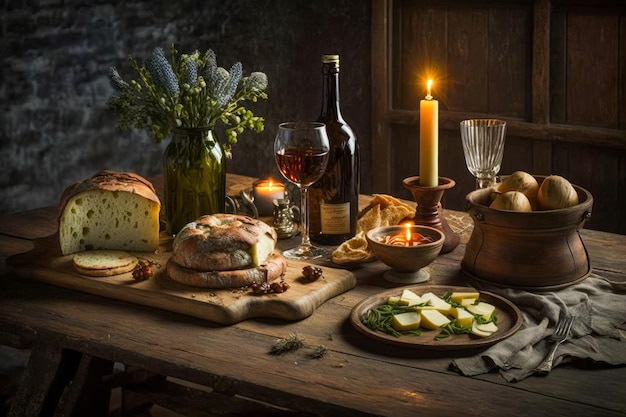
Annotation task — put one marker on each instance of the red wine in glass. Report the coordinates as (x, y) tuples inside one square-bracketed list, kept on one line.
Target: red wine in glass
[(301, 152), (302, 166)]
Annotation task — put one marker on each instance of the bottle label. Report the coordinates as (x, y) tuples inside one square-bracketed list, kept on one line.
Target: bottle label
[(335, 218)]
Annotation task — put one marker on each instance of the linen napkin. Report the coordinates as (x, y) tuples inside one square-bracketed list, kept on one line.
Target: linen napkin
[(599, 309)]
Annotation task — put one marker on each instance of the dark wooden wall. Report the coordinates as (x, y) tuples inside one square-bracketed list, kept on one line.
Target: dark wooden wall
[(554, 70)]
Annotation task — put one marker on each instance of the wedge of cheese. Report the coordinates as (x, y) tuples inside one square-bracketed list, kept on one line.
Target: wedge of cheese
[(406, 321), (435, 302), (433, 319), (409, 298), (463, 317)]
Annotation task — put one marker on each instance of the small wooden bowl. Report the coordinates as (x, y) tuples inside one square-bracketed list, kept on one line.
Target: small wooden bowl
[(407, 262), (538, 250)]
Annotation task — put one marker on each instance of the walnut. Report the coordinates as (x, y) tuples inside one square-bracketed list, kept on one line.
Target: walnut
[(143, 270), (312, 273), (266, 288), (262, 288)]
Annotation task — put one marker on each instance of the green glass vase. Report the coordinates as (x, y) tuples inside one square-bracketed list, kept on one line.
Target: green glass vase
[(194, 173)]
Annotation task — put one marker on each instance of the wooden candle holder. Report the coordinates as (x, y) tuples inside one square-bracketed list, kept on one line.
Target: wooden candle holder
[(429, 210)]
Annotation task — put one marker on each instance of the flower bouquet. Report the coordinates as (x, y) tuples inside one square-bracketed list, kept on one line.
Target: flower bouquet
[(190, 92), (187, 98)]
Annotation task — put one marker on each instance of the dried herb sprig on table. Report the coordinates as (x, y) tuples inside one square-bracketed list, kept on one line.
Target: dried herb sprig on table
[(289, 344), (294, 342), (190, 92)]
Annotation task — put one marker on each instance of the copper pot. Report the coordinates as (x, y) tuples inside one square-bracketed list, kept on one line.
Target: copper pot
[(533, 250)]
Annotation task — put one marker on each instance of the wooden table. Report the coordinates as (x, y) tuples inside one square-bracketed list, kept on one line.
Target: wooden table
[(76, 336)]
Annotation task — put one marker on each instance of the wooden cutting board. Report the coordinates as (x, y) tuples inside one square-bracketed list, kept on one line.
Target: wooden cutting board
[(225, 306)]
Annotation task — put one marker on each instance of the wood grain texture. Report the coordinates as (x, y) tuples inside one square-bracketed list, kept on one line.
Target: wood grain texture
[(357, 377), (225, 306), (553, 70)]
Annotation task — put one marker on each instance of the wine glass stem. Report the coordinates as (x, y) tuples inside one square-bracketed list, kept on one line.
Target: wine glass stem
[(484, 182), (304, 208)]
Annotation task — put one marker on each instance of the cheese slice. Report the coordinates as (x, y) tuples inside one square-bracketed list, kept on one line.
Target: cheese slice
[(483, 309), (433, 319), (409, 298), (463, 317), (487, 327), (406, 321), (435, 303), (459, 296), (478, 332), (468, 301)]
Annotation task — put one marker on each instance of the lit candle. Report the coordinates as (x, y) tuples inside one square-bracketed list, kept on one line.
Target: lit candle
[(407, 238), (429, 139), (264, 192)]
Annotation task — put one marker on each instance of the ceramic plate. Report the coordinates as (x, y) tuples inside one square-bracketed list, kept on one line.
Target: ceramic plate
[(509, 321)]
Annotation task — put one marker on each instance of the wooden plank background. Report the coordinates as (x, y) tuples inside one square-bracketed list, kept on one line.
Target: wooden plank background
[(554, 70)]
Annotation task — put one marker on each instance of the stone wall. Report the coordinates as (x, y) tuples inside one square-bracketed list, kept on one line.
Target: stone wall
[(54, 125)]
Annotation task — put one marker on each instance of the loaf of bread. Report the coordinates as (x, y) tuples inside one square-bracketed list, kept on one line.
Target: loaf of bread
[(111, 210), (225, 251)]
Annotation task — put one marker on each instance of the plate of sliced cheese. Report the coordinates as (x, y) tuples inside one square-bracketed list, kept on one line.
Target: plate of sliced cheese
[(440, 317)]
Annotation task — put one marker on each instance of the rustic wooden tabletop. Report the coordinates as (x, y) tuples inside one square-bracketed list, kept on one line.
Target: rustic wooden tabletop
[(76, 336)]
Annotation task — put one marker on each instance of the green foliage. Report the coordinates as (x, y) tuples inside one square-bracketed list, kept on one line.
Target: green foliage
[(191, 91)]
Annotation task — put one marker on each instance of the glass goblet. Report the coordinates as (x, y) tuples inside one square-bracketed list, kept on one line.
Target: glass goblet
[(483, 146), (301, 152)]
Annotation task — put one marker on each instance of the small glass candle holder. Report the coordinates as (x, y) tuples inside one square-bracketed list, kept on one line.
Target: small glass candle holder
[(264, 192)]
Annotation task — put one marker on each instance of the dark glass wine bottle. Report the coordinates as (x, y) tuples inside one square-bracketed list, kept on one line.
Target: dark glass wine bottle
[(334, 199)]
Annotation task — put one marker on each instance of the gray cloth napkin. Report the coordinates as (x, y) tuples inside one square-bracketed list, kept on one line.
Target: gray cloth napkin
[(599, 309)]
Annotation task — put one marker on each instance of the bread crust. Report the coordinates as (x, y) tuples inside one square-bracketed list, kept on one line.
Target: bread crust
[(274, 267), (110, 181), (218, 242)]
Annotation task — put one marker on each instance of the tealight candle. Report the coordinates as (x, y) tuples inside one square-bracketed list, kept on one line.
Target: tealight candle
[(406, 238), (264, 192), (429, 140)]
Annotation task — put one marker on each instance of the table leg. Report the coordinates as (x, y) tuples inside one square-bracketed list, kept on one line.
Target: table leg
[(61, 382)]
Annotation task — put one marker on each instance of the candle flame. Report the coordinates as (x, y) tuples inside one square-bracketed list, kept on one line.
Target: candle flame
[(408, 231), (270, 183), (429, 85)]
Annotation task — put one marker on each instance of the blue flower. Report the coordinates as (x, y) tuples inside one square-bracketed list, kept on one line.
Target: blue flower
[(235, 76), (190, 71), (162, 73), (116, 81), (258, 80)]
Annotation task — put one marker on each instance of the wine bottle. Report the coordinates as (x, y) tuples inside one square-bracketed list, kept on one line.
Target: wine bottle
[(334, 199)]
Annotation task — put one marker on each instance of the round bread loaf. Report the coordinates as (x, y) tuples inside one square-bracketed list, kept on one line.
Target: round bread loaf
[(273, 268), (223, 242)]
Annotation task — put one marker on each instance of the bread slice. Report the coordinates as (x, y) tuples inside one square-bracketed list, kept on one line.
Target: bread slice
[(104, 263), (111, 210)]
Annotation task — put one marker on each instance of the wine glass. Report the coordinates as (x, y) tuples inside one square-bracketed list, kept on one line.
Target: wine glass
[(301, 152), (483, 146)]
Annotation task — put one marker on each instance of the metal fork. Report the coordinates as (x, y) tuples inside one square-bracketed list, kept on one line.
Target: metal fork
[(559, 336)]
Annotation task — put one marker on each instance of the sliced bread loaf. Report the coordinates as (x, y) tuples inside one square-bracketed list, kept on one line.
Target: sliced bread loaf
[(111, 210)]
